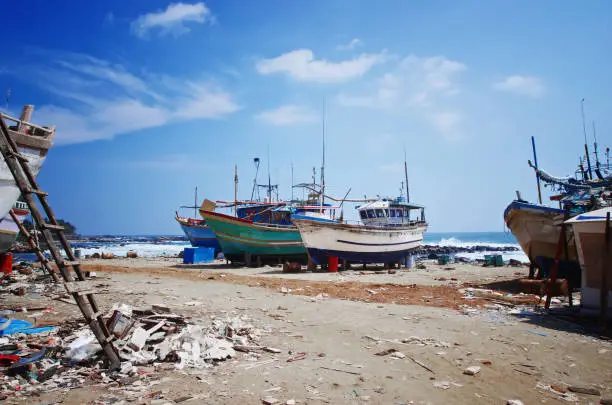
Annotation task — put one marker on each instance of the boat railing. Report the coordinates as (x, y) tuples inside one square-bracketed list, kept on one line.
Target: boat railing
[(403, 224), (48, 131)]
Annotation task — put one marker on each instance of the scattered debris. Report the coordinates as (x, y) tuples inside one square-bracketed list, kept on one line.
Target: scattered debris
[(472, 370), (584, 390)]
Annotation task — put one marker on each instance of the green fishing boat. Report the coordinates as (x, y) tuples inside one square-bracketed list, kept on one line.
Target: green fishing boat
[(242, 239)]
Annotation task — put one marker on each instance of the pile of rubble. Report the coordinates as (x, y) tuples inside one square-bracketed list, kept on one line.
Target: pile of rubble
[(35, 360)]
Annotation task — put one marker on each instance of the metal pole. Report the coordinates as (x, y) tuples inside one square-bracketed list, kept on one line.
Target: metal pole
[(535, 159), (323, 163), (406, 176), (603, 292), (596, 152), (235, 190)]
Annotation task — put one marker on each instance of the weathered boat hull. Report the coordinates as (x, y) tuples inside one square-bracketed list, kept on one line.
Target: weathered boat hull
[(590, 231), (9, 229), (33, 143), (239, 236), (199, 234), (537, 229), (360, 244)]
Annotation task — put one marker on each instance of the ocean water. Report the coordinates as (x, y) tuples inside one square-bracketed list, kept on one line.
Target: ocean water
[(470, 239), (151, 246)]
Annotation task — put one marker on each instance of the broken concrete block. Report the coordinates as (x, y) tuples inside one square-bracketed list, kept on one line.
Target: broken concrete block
[(290, 402), (139, 338), (472, 370), (272, 350), (269, 401), (514, 402), (398, 355)]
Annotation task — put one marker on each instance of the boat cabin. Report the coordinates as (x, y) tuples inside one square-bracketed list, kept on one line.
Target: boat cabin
[(387, 211)]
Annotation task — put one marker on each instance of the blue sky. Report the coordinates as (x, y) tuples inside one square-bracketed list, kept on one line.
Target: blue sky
[(151, 98)]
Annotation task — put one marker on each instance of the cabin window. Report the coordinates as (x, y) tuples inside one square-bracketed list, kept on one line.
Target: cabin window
[(406, 213), (392, 213), (371, 214), (399, 213), (380, 213), (363, 214)]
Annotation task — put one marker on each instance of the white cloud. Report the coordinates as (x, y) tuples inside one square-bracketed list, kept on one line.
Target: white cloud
[(529, 86), (107, 100), (288, 115), (446, 122), (354, 43), (301, 65), (172, 20), (423, 85), (415, 81)]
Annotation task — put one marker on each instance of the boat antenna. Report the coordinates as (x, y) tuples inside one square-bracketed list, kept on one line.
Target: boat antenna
[(235, 189), (269, 182), (8, 96), (291, 181), (586, 146), (256, 161), (323, 162), (406, 176), (608, 158), (535, 160), (596, 152)]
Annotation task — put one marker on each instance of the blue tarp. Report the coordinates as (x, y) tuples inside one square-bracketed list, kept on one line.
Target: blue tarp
[(10, 326)]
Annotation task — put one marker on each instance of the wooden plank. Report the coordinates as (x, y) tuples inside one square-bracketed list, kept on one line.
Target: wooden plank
[(52, 226)]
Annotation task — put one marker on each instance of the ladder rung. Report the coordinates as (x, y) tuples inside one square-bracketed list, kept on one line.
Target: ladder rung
[(51, 226), (37, 192), (70, 263), (85, 292), (18, 156)]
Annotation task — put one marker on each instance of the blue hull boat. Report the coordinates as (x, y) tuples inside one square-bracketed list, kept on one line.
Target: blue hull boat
[(198, 233)]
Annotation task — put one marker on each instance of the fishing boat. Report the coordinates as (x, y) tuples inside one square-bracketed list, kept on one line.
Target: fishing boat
[(264, 231), (594, 244), (8, 228), (198, 232), (240, 237), (387, 234), (33, 142), (538, 227)]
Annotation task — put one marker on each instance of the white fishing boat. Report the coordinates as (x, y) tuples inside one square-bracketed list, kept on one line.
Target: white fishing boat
[(387, 234), (33, 142), (594, 254)]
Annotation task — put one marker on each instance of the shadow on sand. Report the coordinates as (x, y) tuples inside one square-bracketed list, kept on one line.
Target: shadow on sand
[(566, 319)]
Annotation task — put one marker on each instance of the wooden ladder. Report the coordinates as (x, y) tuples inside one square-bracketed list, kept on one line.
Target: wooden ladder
[(73, 280)]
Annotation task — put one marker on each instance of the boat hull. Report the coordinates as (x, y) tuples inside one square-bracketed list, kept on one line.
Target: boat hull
[(9, 229), (199, 235), (590, 230), (537, 229), (360, 244), (238, 237)]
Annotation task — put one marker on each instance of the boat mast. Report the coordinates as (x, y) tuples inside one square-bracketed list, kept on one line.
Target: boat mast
[(195, 203), (586, 146), (323, 163), (596, 152), (291, 181), (269, 181), (256, 161), (406, 177), (535, 160), (235, 189)]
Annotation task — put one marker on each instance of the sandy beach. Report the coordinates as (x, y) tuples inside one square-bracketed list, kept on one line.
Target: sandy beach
[(341, 321)]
